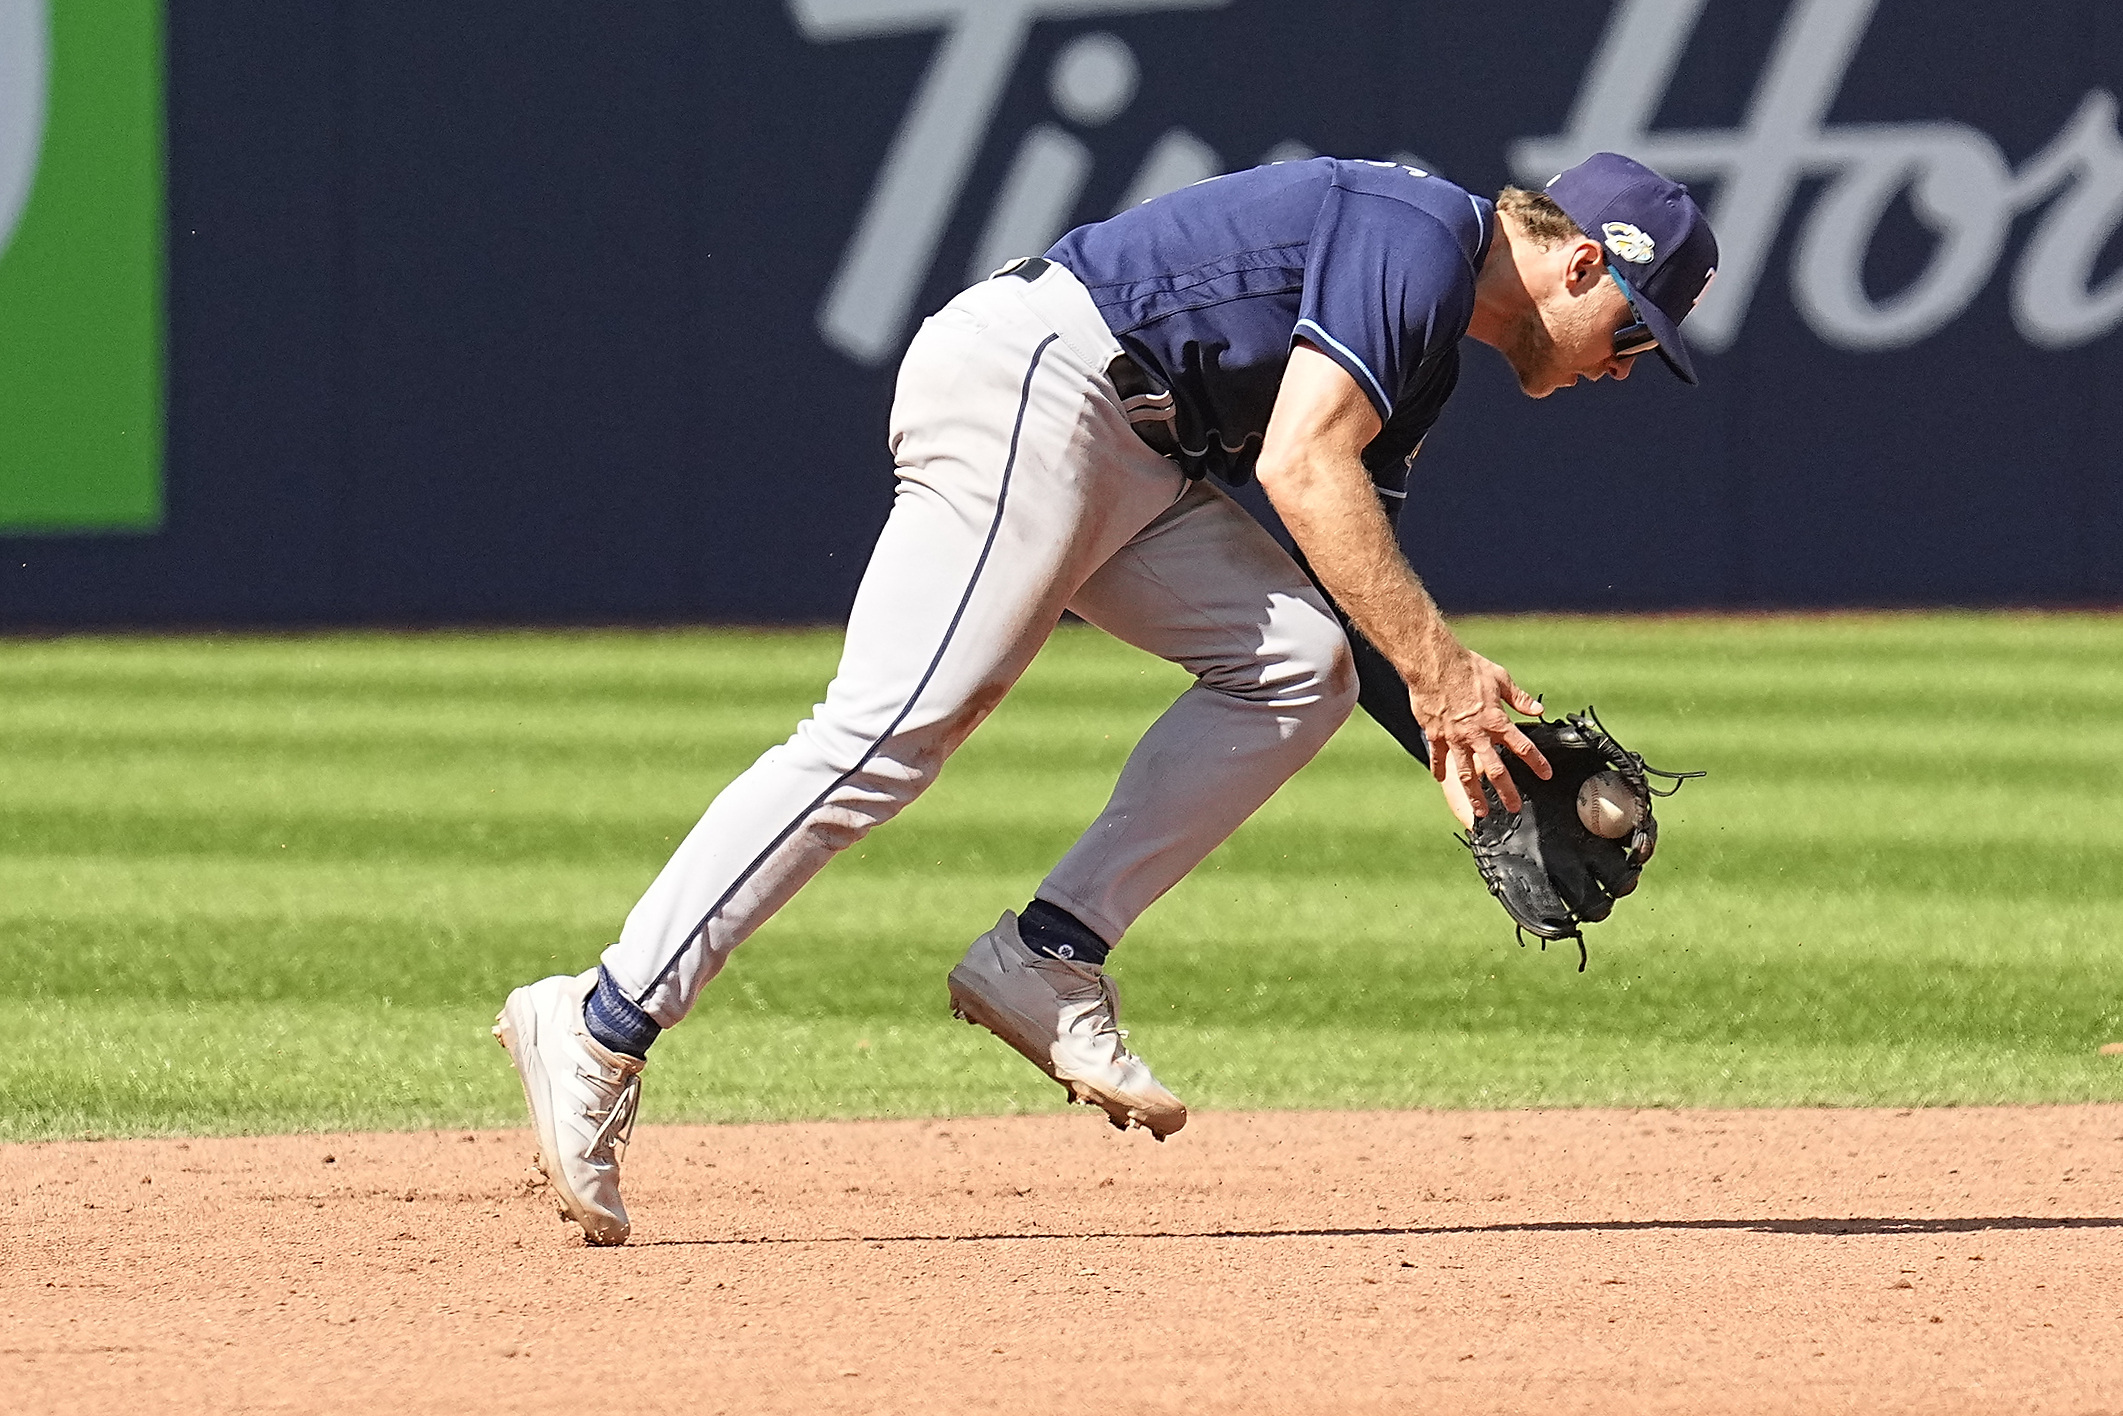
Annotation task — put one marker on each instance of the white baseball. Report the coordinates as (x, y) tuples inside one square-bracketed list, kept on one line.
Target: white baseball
[(1607, 806)]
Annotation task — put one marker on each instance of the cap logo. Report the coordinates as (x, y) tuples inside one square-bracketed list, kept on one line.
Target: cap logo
[(1630, 243)]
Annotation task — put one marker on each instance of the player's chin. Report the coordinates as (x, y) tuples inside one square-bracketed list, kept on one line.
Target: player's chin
[(1539, 377)]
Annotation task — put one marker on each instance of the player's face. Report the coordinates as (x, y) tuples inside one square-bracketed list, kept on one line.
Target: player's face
[(1568, 334)]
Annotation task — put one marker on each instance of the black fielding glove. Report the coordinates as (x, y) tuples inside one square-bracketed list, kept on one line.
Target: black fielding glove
[(1581, 839)]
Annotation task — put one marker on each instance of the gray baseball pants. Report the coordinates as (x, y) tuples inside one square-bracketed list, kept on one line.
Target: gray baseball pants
[(1022, 491)]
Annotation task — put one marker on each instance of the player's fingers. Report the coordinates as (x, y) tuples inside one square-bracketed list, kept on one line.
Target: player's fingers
[(1523, 747), (1500, 778), (1509, 692), (1433, 734), (1467, 773)]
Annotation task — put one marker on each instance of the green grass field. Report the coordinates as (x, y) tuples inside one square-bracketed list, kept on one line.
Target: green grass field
[(258, 884)]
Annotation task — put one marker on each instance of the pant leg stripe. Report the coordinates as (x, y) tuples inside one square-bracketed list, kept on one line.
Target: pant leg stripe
[(1002, 498)]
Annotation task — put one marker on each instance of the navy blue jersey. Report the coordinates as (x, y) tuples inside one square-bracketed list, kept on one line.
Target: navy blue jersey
[(1371, 263)]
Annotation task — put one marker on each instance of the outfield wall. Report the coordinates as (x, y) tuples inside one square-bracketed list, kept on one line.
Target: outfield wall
[(538, 311)]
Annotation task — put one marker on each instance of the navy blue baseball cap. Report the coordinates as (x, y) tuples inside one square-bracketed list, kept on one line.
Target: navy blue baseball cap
[(1657, 239)]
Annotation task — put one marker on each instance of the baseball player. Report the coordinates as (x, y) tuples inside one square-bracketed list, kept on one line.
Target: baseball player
[(1059, 432)]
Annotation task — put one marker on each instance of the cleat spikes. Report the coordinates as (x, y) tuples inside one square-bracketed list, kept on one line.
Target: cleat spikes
[(1062, 1017)]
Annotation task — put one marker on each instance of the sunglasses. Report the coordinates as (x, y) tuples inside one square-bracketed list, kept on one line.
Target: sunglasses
[(1635, 337)]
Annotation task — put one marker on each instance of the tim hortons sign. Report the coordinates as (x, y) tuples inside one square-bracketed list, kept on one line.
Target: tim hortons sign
[(1958, 183)]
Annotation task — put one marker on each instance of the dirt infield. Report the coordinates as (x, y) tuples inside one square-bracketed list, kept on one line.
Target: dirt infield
[(1699, 1262)]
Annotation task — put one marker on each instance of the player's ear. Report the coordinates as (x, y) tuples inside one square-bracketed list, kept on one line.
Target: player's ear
[(1586, 266)]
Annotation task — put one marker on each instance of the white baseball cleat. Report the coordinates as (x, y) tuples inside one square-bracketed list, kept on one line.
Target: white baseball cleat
[(582, 1095), (1064, 1016)]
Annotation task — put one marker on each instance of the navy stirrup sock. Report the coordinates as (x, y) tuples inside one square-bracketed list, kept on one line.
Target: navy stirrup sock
[(615, 1021), (1053, 931)]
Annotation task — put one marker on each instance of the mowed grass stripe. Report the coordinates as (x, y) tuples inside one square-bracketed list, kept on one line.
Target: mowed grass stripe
[(1972, 977), (1888, 890), (158, 1069)]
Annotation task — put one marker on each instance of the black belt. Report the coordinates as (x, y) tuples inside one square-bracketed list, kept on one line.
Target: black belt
[(1150, 409), (1024, 268)]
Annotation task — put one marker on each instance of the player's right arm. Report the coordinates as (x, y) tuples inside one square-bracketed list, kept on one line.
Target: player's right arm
[(1312, 468)]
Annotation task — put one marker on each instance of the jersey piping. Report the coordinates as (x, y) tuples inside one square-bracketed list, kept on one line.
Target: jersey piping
[(1378, 391)]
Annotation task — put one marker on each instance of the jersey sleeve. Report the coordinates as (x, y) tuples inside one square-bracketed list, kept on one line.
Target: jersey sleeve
[(1385, 286)]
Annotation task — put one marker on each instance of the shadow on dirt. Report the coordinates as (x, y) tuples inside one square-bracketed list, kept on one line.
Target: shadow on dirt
[(1853, 1225)]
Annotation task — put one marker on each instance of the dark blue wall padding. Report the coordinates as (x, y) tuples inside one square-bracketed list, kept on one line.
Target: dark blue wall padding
[(489, 312)]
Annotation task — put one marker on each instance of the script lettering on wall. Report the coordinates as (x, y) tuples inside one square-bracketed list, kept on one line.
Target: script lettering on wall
[(917, 191), (24, 77), (1957, 180)]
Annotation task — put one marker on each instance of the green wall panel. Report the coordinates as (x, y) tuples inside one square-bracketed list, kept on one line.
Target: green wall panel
[(81, 323)]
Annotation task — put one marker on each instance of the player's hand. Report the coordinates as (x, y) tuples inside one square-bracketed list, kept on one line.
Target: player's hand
[(1462, 712)]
